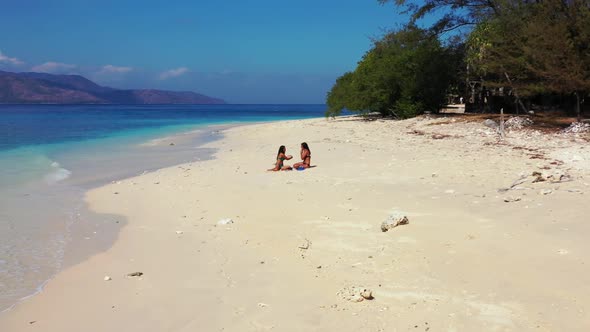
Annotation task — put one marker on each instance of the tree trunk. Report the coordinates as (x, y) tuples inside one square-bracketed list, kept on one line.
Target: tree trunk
[(518, 101), (578, 114), (502, 123)]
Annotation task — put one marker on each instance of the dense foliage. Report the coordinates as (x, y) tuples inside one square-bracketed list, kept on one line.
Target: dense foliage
[(404, 74), (528, 48), (535, 48)]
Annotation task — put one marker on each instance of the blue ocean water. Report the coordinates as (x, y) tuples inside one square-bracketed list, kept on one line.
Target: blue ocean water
[(51, 154), (30, 135), (26, 125)]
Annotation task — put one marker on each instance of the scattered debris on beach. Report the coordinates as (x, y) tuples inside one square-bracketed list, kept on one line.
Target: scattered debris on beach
[(491, 124), (577, 128), (395, 219), (305, 245), (440, 136), (135, 274), (355, 294), (522, 179), (367, 294), (517, 122), (545, 192), (416, 132), (225, 221), (511, 199), (538, 177)]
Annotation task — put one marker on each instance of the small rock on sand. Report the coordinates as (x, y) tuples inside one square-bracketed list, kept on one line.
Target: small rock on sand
[(491, 124), (510, 199), (135, 274), (355, 294), (517, 122), (577, 127), (538, 177), (305, 245), (107, 278), (545, 192), (393, 220), (179, 232), (225, 221), (367, 294)]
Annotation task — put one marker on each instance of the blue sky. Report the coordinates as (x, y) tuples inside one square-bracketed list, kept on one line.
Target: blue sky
[(242, 51)]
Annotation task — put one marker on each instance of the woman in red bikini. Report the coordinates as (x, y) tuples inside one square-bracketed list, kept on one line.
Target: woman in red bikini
[(281, 156), (305, 156)]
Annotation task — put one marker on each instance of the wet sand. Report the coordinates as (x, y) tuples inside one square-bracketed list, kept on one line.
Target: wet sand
[(46, 226)]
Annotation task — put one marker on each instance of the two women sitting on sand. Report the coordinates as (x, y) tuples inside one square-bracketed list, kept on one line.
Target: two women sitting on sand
[(282, 156)]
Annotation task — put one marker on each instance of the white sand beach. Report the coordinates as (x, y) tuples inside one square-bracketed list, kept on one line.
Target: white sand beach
[(304, 244)]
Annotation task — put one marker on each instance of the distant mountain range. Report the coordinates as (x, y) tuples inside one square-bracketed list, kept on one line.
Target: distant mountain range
[(41, 88)]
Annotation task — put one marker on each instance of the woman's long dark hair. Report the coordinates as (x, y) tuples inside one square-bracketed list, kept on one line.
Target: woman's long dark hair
[(282, 149), (306, 147)]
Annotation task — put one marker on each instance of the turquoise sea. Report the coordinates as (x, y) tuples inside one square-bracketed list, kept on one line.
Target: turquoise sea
[(51, 154)]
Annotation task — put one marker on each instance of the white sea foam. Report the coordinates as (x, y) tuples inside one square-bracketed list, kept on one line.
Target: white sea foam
[(171, 138), (27, 266), (57, 173)]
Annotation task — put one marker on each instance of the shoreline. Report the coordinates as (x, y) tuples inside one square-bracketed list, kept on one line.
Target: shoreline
[(256, 271), (86, 225)]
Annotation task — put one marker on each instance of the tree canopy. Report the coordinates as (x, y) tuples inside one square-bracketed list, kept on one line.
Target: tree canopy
[(451, 14), (542, 46), (406, 72), (531, 47)]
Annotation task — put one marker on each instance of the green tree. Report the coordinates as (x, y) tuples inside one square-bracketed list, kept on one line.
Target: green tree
[(558, 46), (342, 94), (535, 48), (406, 73), (495, 53), (450, 14)]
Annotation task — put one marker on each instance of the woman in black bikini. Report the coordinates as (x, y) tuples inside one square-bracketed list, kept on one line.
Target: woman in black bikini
[(281, 156), (305, 156)]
